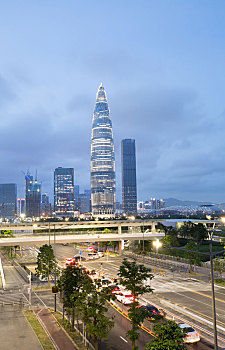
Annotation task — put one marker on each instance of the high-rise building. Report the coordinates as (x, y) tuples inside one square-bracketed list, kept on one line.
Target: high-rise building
[(46, 208), (129, 184), (20, 207), (8, 199), (64, 191), (103, 184), (32, 196), (76, 196), (84, 203)]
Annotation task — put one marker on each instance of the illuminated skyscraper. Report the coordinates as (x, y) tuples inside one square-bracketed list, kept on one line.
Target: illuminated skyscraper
[(103, 184), (64, 191), (129, 186), (33, 196)]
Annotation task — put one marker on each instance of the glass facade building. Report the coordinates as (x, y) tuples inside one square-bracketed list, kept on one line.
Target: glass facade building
[(64, 191), (103, 184), (129, 184), (8, 199), (33, 197)]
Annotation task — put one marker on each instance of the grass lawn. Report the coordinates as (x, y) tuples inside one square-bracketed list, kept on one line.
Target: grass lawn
[(219, 281), (205, 248), (40, 332), (42, 288), (72, 333)]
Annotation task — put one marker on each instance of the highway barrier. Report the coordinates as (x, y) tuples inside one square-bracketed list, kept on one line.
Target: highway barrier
[(2, 274)]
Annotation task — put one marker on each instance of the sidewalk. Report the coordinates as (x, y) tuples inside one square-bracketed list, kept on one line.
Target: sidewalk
[(59, 338)]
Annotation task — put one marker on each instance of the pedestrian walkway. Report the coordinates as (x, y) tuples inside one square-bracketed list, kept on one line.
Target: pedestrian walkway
[(57, 335)]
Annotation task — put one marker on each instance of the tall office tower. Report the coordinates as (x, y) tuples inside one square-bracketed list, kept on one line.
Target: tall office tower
[(76, 196), (129, 185), (64, 191), (20, 207), (33, 196), (8, 199), (84, 203), (103, 184), (46, 208)]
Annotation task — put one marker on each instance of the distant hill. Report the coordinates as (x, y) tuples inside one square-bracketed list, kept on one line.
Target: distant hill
[(170, 202)]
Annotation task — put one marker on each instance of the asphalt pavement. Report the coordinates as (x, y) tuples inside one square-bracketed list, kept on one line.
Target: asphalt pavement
[(182, 294)]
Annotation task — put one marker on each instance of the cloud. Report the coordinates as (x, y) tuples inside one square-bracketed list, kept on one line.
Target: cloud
[(6, 93)]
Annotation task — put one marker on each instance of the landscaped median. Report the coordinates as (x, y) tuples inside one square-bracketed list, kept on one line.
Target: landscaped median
[(39, 331), (75, 337)]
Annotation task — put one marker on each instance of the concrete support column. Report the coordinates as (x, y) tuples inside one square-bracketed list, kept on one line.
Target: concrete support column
[(119, 229), (121, 246), (153, 227)]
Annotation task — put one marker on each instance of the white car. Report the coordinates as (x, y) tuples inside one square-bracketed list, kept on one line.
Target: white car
[(93, 256), (100, 254), (125, 298), (191, 336)]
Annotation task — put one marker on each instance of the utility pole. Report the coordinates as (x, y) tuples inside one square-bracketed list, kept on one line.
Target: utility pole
[(49, 233), (29, 289), (213, 293), (55, 266)]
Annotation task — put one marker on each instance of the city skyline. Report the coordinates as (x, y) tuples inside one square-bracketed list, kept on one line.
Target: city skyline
[(163, 74)]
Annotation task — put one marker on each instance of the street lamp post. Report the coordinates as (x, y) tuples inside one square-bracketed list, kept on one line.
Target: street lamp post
[(157, 245), (55, 266), (49, 233), (213, 292)]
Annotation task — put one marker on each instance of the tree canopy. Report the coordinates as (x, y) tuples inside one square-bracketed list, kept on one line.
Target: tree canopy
[(92, 303), (133, 277), (45, 261), (196, 232), (169, 336)]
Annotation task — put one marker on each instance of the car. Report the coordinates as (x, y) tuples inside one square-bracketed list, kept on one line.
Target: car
[(79, 258), (91, 249), (69, 261), (93, 256), (100, 254), (152, 310), (191, 335), (105, 282), (115, 289), (125, 297)]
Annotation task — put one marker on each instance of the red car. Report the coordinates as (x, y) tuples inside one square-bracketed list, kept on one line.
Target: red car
[(91, 249), (70, 261)]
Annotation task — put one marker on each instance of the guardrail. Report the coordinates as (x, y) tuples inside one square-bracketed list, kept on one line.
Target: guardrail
[(2, 274)]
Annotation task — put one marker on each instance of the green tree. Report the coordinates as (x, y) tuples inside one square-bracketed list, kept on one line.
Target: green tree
[(171, 240), (219, 265), (169, 336), (193, 257), (70, 284), (196, 232), (92, 303), (113, 244), (45, 261), (132, 277), (6, 233)]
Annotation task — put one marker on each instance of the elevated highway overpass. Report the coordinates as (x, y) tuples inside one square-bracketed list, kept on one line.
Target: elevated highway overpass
[(100, 225), (76, 238)]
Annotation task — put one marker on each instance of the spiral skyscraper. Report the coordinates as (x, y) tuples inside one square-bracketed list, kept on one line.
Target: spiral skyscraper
[(103, 184)]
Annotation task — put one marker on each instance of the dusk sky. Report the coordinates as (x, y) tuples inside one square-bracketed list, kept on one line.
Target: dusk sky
[(162, 64)]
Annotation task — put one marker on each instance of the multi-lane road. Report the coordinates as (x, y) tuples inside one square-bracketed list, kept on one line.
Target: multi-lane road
[(183, 298)]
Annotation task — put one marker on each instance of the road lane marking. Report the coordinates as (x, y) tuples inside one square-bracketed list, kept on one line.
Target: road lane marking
[(192, 315), (193, 291), (124, 315), (123, 339)]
